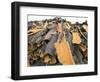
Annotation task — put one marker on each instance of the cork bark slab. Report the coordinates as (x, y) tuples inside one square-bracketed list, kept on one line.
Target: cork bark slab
[(63, 52), (76, 38)]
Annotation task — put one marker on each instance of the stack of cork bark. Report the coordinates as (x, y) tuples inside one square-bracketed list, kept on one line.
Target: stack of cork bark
[(57, 42)]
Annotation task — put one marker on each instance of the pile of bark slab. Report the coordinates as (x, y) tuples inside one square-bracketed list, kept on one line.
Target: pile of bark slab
[(57, 42)]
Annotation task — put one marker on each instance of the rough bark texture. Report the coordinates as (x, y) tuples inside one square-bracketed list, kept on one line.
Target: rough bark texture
[(57, 42)]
